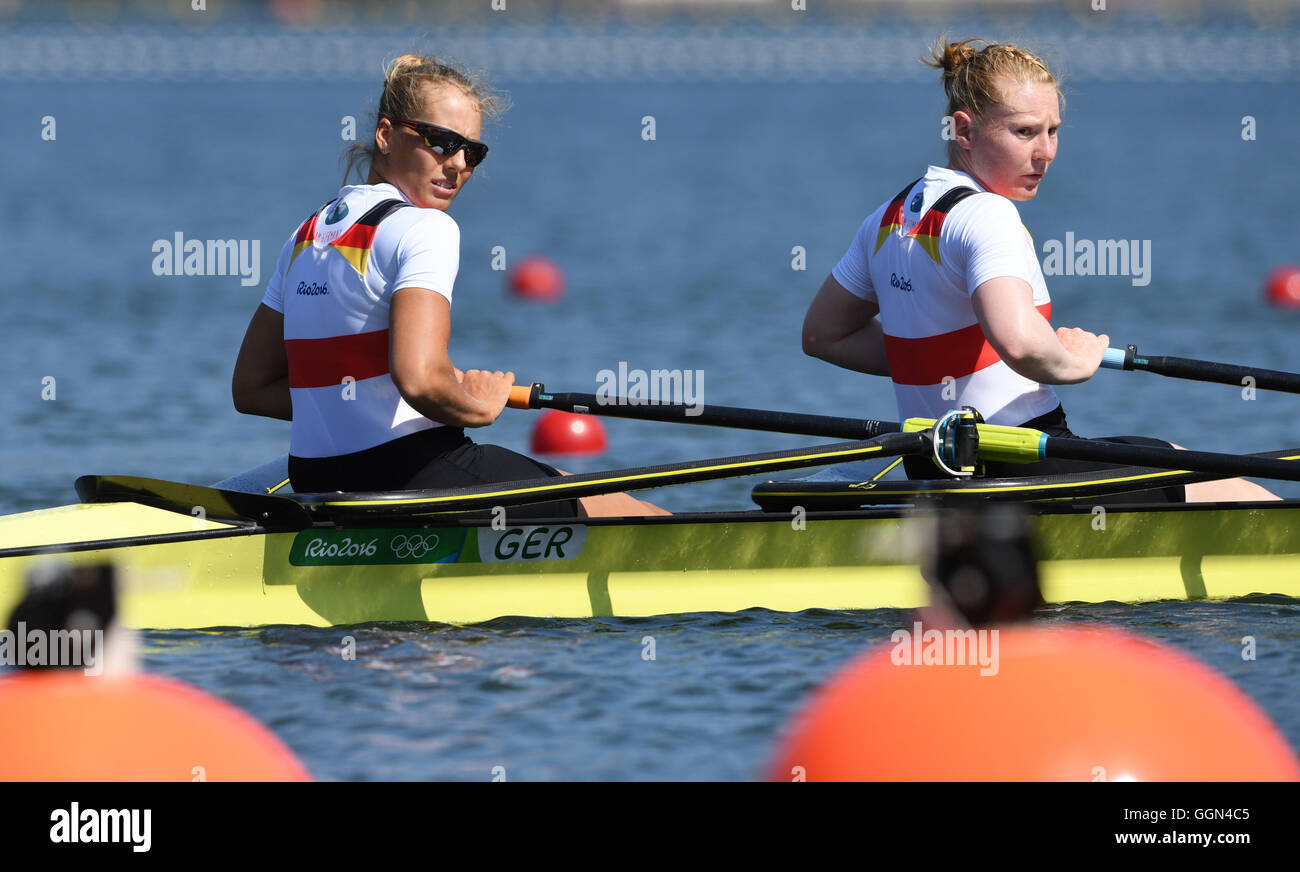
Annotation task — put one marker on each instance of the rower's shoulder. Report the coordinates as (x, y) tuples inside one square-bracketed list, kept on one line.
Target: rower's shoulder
[(980, 222), (978, 197), (982, 206), (414, 219)]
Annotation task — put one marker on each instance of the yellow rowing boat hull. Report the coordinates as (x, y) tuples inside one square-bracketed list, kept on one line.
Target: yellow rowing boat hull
[(194, 573)]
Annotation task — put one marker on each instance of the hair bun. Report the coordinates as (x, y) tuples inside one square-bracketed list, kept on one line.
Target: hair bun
[(952, 56), (404, 64), (955, 54)]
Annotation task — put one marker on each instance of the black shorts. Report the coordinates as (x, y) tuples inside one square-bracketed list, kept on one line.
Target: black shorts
[(436, 459), (1053, 424)]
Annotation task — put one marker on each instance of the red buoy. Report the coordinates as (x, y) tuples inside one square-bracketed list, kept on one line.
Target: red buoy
[(1052, 704), (560, 432), (1283, 287), (538, 279), (63, 726)]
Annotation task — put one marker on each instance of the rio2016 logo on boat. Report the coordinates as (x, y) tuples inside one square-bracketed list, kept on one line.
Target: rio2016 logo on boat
[(375, 547), (398, 546), (319, 547)]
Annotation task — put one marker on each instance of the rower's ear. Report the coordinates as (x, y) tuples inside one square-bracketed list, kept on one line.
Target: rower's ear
[(383, 136), (960, 128)]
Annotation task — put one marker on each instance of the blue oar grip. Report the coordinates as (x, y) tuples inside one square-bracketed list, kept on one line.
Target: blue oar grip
[(1114, 358)]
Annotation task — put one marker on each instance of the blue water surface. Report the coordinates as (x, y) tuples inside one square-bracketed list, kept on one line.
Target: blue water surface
[(678, 254)]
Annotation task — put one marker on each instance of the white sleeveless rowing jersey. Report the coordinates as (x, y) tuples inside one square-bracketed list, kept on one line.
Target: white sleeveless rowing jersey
[(334, 283), (919, 257)]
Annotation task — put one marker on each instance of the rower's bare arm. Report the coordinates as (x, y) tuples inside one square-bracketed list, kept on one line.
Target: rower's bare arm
[(1024, 339), (843, 329), (420, 326), (260, 385)]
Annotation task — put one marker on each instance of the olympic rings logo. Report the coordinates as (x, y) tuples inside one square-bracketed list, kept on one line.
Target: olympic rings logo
[(413, 547)]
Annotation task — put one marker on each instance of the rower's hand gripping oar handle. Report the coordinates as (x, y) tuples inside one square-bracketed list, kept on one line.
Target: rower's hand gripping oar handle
[(1119, 358), (524, 396)]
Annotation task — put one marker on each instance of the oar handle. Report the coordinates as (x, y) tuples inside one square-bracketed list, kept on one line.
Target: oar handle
[(521, 396), (1118, 358)]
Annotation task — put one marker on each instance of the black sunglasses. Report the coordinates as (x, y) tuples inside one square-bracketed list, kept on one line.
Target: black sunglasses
[(445, 142)]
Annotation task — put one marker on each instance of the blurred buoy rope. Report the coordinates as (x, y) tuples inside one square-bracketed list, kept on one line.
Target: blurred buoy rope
[(78, 709), (971, 692)]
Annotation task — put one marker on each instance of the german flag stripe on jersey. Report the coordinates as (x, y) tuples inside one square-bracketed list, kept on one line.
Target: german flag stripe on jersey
[(355, 243), (319, 363), (306, 235), (893, 217), (931, 359), (928, 228)]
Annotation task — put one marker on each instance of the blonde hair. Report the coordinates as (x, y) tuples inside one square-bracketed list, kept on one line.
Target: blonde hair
[(404, 77), (970, 75)]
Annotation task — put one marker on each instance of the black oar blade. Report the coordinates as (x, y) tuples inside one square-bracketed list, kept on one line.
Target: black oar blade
[(269, 512)]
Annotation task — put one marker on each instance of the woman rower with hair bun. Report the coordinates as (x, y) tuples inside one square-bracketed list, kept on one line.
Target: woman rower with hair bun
[(350, 341), (942, 291)]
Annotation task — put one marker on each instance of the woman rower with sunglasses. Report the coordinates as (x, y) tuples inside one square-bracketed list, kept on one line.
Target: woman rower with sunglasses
[(350, 340), (941, 289)]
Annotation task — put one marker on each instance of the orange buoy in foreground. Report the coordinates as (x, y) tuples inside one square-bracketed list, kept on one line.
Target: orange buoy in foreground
[(560, 432), (1054, 705), (1282, 287), (64, 726), (538, 279)]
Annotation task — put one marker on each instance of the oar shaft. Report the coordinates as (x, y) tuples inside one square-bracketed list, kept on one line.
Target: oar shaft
[(706, 415), (1121, 453), (996, 442), (1221, 373), (1203, 370)]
